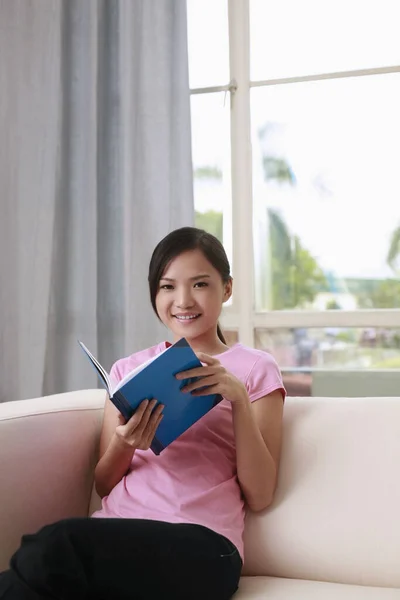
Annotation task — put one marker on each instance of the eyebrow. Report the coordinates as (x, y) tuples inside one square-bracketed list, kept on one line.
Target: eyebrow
[(191, 278)]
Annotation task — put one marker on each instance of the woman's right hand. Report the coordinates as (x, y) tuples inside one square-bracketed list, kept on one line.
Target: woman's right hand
[(139, 431)]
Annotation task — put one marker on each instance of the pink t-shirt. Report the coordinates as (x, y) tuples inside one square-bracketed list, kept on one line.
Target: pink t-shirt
[(194, 480)]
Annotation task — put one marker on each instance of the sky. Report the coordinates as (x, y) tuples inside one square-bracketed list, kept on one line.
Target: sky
[(341, 138)]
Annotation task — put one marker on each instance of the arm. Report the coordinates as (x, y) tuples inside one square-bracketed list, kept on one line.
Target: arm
[(120, 440), (115, 457), (257, 427), (258, 434)]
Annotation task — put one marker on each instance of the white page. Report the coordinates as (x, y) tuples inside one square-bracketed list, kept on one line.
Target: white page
[(135, 371), (95, 362)]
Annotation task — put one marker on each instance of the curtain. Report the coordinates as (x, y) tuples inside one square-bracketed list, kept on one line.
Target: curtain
[(95, 168)]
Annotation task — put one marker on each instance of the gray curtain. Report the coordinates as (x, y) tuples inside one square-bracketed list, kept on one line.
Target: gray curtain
[(95, 168)]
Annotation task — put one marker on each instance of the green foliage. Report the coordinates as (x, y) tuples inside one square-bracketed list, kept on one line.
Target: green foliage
[(347, 335), (394, 250), (277, 169), (361, 287), (210, 221), (383, 294), (388, 363), (296, 275), (333, 305), (208, 172)]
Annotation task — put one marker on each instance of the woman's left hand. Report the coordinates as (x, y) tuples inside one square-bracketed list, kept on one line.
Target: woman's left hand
[(217, 379)]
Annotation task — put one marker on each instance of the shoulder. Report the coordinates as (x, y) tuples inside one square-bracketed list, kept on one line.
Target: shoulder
[(126, 364), (250, 357), (258, 370)]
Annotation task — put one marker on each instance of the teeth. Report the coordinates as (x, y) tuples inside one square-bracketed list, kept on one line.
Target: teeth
[(187, 318)]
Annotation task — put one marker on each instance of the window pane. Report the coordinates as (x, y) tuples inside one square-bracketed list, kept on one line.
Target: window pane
[(231, 336), (335, 362), (332, 347), (211, 165), (208, 43), (290, 38), (327, 194)]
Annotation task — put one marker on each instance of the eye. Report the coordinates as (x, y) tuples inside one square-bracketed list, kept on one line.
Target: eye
[(201, 284), (166, 286)]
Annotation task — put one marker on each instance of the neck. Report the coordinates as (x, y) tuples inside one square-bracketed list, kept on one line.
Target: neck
[(209, 344)]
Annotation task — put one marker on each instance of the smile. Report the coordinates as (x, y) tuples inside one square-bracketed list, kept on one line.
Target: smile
[(187, 317)]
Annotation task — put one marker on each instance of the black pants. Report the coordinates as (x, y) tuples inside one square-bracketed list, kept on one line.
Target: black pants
[(118, 559)]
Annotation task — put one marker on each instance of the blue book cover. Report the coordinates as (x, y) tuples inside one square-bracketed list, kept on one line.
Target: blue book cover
[(156, 379)]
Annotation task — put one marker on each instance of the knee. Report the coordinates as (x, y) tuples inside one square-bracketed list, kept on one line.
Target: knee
[(45, 545), (50, 551), (52, 532)]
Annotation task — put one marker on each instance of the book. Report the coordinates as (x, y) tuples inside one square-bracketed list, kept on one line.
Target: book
[(155, 379)]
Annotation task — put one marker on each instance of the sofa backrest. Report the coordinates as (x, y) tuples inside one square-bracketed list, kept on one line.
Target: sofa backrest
[(334, 515), (336, 511), (48, 449)]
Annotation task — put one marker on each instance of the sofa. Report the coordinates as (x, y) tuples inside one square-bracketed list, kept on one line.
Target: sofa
[(332, 531)]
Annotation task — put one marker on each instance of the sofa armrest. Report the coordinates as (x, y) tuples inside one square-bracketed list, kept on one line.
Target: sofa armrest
[(48, 450)]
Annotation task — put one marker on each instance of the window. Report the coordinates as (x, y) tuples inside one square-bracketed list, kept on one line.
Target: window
[(304, 349), (211, 164), (208, 45), (325, 153), (296, 143), (289, 38)]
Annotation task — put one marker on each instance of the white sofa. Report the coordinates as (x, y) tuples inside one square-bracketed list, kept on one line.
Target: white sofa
[(332, 532)]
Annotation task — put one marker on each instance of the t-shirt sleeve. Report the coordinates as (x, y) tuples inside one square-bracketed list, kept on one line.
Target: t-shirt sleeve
[(264, 378), (115, 374), (126, 365)]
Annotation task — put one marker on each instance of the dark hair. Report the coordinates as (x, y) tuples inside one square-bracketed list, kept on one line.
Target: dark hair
[(182, 240)]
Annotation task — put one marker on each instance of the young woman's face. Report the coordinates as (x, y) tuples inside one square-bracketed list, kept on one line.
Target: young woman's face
[(190, 296)]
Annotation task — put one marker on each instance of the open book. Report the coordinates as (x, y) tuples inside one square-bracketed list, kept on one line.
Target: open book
[(156, 379)]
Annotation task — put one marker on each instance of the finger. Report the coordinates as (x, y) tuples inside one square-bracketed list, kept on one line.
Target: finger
[(142, 414), (151, 430), (213, 389), (132, 423), (121, 419), (155, 414), (204, 382), (206, 358), (139, 412), (155, 424), (197, 372), (154, 421), (147, 415)]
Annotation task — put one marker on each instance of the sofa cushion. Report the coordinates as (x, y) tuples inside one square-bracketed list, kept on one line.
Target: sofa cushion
[(48, 451), (335, 516), (275, 588)]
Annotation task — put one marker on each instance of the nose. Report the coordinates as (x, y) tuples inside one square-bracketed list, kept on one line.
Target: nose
[(184, 298)]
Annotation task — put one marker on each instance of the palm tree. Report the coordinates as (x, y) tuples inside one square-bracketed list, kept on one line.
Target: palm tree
[(393, 254), (292, 276), (288, 276)]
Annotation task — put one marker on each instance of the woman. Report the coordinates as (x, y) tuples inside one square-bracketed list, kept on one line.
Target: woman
[(171, 526)]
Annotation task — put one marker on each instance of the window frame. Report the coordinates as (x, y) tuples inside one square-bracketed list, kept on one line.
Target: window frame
[(241, 314)]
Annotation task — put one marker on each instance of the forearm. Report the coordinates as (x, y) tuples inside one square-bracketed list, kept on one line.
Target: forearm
[(112, 466), (255, 466)]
